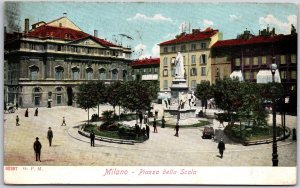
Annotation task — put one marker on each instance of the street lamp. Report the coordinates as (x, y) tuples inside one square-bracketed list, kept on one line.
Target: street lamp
[(274, 154)]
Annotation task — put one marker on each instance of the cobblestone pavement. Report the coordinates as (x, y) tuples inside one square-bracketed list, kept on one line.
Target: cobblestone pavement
[(163, 148)]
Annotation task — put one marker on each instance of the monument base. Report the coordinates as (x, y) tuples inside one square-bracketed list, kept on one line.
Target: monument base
[(183, 113)]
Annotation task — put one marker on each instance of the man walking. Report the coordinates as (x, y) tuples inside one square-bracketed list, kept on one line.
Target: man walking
[(17, 121), (177, 129), (50, 136), (64, 122), (163, 121), (92, 136), (221, 147), (148, 131), (154, 126), (36, 113), (37, 146)]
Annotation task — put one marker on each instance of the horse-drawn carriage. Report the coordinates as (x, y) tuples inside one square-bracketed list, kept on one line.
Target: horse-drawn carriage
[(10, 108)]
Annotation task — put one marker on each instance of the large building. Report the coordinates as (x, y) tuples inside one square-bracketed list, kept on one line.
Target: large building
[(195, 48), (46, 63), (146, 69)]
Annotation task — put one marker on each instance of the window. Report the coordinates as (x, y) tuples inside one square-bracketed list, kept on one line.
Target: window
[(155, 70), (58, 47), (107, 53), (203, 71), (114, 74), (173, 70), (193, 72), (165, 73), (247, 75), (58, 99), (203, 45), (255, 61), (282, 59), (247, 61), (293, 58), (165, 85), (89, 73), (34, 72), (254, 75), (165, 49), (283, 74), (102, 74), (293, 74), (165, 61), (203, 59), (75, 73), (173, 49), (193, 46), (193, 59), (264, 60), (59, 73), (237, 62), (194, 83), (150, 70), (183, 47), (144, 70)]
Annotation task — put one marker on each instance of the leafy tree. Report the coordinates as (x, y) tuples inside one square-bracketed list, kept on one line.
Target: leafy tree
[(101, 95), (86, 96), (114, 94), (204, 92)]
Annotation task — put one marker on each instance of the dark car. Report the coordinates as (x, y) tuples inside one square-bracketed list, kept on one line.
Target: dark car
[(208, 132)]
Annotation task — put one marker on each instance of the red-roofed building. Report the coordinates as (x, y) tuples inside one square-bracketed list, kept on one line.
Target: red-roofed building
[(195, 48), (250, 54), (45, 63), (146, 69)]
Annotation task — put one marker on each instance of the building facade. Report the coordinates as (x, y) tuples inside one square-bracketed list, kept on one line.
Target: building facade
[(195, 48), (46, 63), (146, 69)]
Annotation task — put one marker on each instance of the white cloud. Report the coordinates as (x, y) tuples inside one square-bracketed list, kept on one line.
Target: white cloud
[(155, 51), (233, 17), (207, 23), (281, 27), (143, 17), (140, 47)]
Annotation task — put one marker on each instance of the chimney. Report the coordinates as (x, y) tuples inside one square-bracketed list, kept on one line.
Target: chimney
[(95, 33), (26, 28)]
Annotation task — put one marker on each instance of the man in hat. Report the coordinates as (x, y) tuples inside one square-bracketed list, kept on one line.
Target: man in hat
[(221, 147), (92, 136), (17, 121), (50, 136), (37, 146)]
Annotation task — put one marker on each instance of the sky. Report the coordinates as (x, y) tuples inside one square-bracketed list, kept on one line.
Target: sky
[(152, 23)]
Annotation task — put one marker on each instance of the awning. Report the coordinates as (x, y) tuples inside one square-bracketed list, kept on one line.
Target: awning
[(237, 74), (265, 76)]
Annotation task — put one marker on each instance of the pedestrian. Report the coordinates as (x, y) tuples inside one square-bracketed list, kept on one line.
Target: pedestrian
[(221, 147), (141, 117), (37, 146), (36, 113), (17, 121), (221, 121), (145, 119), (50, 136), (156, 114), (92, 136), (163, 121), (26, 113), (148, 131), (154, 126), (64, 122), (177, 129), (17, 106)]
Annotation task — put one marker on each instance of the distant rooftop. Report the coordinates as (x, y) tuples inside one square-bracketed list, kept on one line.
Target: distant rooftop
[(146, 61)]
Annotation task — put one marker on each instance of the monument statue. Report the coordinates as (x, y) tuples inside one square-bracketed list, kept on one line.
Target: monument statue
[(179, 69)]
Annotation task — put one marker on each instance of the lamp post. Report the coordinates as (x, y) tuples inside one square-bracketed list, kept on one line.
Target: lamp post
[(274, 147)]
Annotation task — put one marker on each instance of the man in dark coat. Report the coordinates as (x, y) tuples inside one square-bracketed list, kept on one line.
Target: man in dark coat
[(177, 129), (221, 147), (37, 146), (154, 126), (26, 113), (141, 117), (92, 136), (148, 131), (50, 136), (36, 113), (17, 121), (163, 121)]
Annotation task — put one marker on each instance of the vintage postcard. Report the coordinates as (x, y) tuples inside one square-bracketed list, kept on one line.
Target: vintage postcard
[(150, 93)]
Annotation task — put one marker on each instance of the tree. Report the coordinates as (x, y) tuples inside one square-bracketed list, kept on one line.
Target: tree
[(100, 94), (114, 94), (86, 96), (204, 92)]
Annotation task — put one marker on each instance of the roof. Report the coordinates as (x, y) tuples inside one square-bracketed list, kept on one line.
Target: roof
[(254, 40), (195, 36), (151, 61), (46, 31)]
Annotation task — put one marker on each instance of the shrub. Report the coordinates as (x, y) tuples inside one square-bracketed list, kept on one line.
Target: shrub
[(95, 117), (113, 127), (104, 126)]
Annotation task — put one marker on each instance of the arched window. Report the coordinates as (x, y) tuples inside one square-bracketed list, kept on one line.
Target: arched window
[(102, 74), (114, 74), (59, 73), (75, 73), (124, 75), (89, 73), (34, 70), (59, 95)]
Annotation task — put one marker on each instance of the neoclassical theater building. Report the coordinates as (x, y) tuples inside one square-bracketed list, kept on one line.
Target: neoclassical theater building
[(45, 63)]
